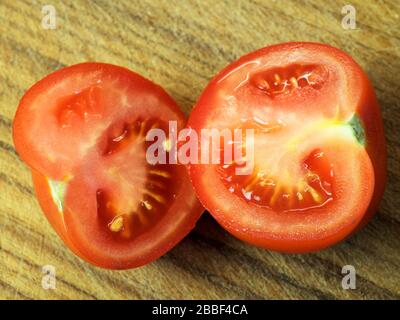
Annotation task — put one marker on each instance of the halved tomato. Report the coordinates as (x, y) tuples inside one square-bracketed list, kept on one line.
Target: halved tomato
[(319, 151), (82, 130)]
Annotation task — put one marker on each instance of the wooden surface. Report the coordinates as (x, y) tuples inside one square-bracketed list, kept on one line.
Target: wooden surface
[(181, 45)]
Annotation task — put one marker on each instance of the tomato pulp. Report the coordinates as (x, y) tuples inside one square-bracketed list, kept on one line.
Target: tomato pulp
[(319, 147), (82, 130)]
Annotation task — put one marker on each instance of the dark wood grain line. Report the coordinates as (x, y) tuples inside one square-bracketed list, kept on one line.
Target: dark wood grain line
[(167, 30), (312, 260), (116, 282), (9, 148), (161, 57), (351, 242), (216, 280), (387, 219), (222, 248), (388, 89), (202, 46), (141, 21), (14, 290), (5, 122), (17, 47), (12, 182), (316, 27), (260, 267), (393, 173), (116, 53), (371, 288), (154, 53), (383, 85), (112, 281), (75, 288), (14, 90), (360, 23), (51, 63), (167, 75), (204, 63), (230, 58), (103, 275), (17, 9), (14, 220), (56, 64), (280, 276), (392, 137), (58, 278)]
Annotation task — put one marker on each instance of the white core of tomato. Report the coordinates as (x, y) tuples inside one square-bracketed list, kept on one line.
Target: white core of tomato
[(280, 154)]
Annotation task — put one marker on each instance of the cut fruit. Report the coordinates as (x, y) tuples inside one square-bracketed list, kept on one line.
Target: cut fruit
[(319, 151), (83, 131)]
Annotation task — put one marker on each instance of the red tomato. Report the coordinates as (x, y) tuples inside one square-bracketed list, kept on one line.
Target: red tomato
[(82, 131), (320, 156)]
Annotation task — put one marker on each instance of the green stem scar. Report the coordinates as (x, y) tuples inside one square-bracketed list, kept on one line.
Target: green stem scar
[(358, 129)]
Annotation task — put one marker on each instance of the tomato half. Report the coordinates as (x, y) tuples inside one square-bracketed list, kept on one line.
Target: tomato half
[(319, 149), (82, 130)]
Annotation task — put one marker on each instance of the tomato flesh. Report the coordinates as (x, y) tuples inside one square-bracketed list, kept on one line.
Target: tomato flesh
[(82, 130), (314, 189), (278, 82), (319, 158), (152, 188)]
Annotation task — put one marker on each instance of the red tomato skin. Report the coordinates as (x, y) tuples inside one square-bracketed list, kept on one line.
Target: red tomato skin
[(191, 209), (370, 115), (55, 219), (56, 170)]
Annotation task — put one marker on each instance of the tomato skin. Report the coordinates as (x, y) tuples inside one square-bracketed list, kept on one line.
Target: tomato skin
[(128, 100), (56, 220), (50, 210), (80, 75), (370, 114), (367, 109)]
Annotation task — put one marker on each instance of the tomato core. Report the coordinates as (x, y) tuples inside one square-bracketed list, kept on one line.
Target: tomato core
[(153, 192), (314, 189)]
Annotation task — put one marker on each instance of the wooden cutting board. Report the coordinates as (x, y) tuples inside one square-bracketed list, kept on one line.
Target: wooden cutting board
[(181, 45)]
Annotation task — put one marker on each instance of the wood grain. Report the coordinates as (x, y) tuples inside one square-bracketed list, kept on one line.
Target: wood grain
[(181, 45)]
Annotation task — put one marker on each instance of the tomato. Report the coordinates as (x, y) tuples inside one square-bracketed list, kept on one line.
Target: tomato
[(82, 130), (319, 156)]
